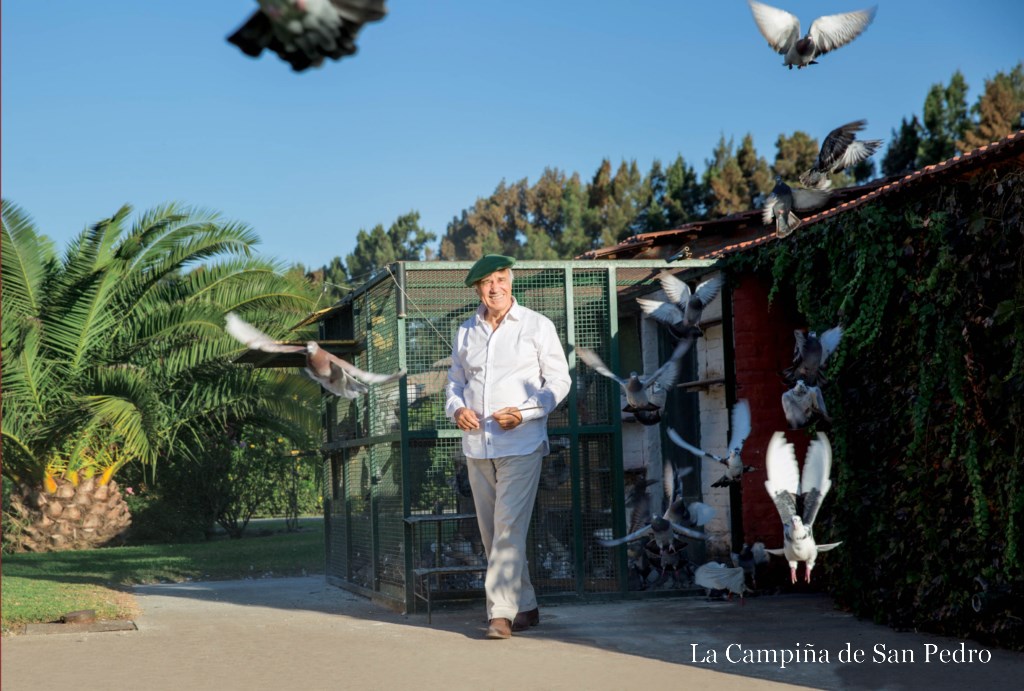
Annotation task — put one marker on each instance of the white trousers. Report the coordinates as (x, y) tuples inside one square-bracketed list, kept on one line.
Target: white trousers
[(504, 491)]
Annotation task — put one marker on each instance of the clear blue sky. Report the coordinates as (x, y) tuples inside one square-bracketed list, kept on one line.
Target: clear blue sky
[(106, 102)]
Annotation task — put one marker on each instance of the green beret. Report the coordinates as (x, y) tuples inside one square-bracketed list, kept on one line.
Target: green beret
[(487, 265)]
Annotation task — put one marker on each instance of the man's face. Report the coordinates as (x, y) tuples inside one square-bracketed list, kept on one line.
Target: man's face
[(495, 291)]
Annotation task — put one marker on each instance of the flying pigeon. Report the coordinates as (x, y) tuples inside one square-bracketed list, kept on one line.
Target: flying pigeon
[(638, 388), (802, 404), (305, 32), (683, 310), (734, 467), (664, 528), (810, 354), (784, 478), (784, 199), (782, 31), (337, 376), (717, 576), (840, 150)]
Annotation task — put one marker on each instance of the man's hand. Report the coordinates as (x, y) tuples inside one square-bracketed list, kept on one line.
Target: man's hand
[(508, 418), (466, 419)]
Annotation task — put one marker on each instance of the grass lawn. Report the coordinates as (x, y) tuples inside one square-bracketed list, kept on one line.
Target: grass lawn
[(43, 587)]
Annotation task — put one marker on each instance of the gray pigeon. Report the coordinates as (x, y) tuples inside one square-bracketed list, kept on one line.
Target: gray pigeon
[(810, 353), (337, 376), (306, 32), (784, 199), (681, 314), (734, 467), (639, 388), (803, 404), (665, 527), (782, 31), (784, 484), (840, 150), (748, 559)]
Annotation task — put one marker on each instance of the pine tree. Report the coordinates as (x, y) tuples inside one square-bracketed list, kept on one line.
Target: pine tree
[(945, 120), (901, 156), (999, 110), (727, 190), (794, 154)]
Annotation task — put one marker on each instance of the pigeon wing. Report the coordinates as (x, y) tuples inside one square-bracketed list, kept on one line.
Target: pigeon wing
[(707, 290), (740, 425), (679, 441), (780, 28), (805, 199), (715, 576), (700, 513), (675, 289), (664, 312), (635, 535), (783, 476), (362, 375), (829, 342), (254, 338), (836, 30), (768, 213), (666, 375), (836, 144), (688, 532), (830, 545), (591, 360), (816, 482), (339, 383), (819, 400)]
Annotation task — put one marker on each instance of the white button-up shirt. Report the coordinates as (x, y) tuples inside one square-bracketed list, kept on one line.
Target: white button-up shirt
[(520, 364)]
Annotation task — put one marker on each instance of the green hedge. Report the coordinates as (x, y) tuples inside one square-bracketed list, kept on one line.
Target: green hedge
[(926, 392)]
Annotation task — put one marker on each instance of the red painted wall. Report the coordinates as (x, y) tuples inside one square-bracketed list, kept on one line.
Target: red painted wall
[(763, 347)]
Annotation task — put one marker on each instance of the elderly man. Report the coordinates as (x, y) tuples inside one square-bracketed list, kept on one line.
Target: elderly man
[(508, 373)]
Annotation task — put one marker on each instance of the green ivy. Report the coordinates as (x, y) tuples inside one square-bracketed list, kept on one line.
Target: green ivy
[(926, 392)]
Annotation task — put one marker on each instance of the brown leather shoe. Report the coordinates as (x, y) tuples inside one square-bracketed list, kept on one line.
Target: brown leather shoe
[(499, 628), (525, 620)]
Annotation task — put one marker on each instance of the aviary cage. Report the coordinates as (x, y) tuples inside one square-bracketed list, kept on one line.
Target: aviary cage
[(395, 498)]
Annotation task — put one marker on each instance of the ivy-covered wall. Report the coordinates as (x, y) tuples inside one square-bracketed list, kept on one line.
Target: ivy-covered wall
[(927, 395)]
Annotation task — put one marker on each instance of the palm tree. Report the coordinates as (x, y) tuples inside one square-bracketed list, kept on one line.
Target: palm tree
[(115, 353)]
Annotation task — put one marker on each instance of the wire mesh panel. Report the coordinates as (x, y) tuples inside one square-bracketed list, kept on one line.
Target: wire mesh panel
[(400, 497)]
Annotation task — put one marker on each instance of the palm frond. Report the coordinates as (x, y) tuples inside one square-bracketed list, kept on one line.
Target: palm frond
[(25, 261)]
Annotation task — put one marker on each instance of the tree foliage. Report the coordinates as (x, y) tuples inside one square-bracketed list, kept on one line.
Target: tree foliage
[(999, 110), (945, 120)]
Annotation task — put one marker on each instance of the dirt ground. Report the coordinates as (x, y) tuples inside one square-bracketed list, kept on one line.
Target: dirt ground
[(302, 633)]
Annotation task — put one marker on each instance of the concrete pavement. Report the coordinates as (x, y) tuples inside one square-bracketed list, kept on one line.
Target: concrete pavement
[(301, 633)]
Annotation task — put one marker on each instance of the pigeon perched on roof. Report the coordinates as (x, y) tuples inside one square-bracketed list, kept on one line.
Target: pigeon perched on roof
[(337, 376), (784, 199), (810, 353), (306, 32), (782, 31), (784, 484), (734, 467), (638, 388), (840, 150), (803, 404), (682, 313)]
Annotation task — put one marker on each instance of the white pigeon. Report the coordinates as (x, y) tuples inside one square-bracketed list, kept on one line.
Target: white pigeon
[(306, 32), (718, 576), (682, 313), (337, 376), (734, 467), (810, 353), (782, 31), (802, 404), (785, 482), (840, 150), (780, 204), (638, 388)]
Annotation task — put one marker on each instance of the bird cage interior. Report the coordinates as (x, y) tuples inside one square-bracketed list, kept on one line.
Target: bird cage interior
[(397, 497)]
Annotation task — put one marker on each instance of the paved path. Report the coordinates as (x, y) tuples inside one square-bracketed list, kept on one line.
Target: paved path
[(300, 633)]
